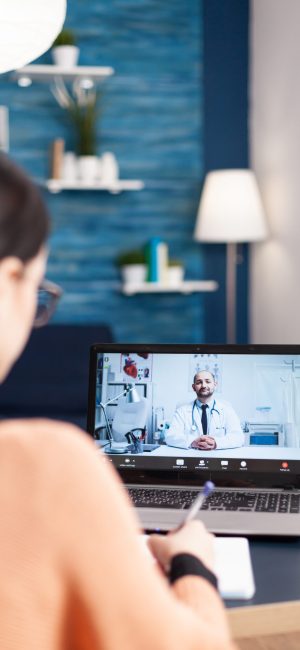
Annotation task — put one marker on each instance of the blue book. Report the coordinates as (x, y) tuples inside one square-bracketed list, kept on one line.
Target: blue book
[(153, 260)]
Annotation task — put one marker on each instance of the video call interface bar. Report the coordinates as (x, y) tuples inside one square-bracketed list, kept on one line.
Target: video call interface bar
[(204, 464)]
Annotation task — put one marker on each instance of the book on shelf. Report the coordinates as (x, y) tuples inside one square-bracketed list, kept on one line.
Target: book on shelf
[(157, 260), (57, 155)]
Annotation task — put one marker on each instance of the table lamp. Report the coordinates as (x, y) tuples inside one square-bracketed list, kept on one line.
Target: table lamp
[(231, 212), (132, 395)]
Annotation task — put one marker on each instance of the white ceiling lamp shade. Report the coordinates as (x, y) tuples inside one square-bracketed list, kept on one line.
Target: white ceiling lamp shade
[(27, 29), (230, 209)]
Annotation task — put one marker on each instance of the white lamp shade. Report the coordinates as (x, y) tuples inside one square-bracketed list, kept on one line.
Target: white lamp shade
[(27, 29), (230, 208), (132, 395)]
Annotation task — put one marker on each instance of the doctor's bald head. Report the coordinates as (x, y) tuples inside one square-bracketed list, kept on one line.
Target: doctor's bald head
[(204, 385)]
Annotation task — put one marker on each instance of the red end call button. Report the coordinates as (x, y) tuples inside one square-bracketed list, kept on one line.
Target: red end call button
[(284, 465)]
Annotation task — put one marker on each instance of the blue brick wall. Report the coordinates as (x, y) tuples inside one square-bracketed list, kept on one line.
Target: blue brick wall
[(152, 120)]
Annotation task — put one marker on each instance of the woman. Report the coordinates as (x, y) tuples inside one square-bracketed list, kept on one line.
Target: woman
[(74, 572)]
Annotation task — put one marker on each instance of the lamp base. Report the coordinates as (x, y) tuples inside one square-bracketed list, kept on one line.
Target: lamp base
[(115, 450)]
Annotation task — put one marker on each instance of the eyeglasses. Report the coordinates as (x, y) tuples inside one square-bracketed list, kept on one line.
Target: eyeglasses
[(47, 299)]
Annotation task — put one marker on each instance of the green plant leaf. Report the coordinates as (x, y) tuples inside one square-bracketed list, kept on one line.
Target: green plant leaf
[(66, 37)]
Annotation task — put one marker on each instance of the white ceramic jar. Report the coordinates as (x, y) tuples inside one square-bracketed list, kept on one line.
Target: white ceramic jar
[(66, 56)]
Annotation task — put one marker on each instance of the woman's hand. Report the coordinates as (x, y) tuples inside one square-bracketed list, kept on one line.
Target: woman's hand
[(192, 538)]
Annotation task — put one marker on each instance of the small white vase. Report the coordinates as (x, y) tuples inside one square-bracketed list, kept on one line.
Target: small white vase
[(66, 56), (110, 168), (88, 167), (175, 275), (69, 167), (99, 169), (134, 273)]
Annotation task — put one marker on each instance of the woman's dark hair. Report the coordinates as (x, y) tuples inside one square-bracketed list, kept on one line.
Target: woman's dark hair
[(24, 219)]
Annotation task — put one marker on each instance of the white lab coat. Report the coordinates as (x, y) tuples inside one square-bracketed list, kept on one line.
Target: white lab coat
[(223, 425)]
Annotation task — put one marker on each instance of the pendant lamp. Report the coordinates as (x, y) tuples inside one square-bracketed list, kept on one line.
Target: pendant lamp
[(27, 29)]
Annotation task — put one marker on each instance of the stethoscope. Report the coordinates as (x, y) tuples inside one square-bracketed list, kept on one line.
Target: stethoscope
[(194, 426)]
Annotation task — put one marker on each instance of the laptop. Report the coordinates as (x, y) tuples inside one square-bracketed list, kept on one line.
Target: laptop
[(145, 413)]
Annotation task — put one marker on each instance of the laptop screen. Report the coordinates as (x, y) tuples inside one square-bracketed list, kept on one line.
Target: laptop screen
[(197, 409)]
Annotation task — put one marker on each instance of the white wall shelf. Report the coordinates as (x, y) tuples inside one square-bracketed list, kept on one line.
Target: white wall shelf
[(47, 73), (119, 185), (91, 75), (186, 287)]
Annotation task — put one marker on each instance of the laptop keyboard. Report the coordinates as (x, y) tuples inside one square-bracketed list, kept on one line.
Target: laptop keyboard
[(220, 500)]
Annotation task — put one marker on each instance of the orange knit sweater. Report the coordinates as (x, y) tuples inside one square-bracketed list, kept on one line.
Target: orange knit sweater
[(74, 575)]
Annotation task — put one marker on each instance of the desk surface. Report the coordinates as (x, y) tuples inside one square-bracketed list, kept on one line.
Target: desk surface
[(255, 451), (260, 451), (276, 566)]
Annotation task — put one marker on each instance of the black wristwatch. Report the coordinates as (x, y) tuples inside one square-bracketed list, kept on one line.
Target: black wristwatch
[(186, 564)]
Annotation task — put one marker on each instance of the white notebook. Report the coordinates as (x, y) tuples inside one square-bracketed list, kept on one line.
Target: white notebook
[(233, 567)]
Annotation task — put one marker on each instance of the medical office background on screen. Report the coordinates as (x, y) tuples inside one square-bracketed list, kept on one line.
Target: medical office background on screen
[(264, 391)]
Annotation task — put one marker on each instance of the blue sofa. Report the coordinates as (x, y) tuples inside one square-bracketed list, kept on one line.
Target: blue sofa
[(51, 377)]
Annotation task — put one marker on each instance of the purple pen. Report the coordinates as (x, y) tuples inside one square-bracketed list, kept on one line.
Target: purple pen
[(207, 489)]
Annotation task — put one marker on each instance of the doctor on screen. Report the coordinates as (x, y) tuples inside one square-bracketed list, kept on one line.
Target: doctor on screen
[(206, 423)]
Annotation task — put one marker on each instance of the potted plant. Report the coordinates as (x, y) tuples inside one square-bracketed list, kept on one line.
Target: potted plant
[(133, 266), (82, 109), (64, 51), (84, 117), (175, 272)]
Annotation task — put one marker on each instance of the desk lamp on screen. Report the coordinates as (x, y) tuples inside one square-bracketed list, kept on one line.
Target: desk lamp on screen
[(132, 397), (231, 212)]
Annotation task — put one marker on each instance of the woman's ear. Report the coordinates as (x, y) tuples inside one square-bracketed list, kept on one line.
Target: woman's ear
[(11, 270)]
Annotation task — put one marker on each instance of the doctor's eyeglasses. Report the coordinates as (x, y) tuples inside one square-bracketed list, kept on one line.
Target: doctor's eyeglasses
[(48, 296)]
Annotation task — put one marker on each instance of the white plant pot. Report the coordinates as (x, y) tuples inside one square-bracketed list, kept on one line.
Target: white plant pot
[(88, 167), (65, 56), (175, 275), (109, 168), (99, 169), (134, 273), (69, 167)]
